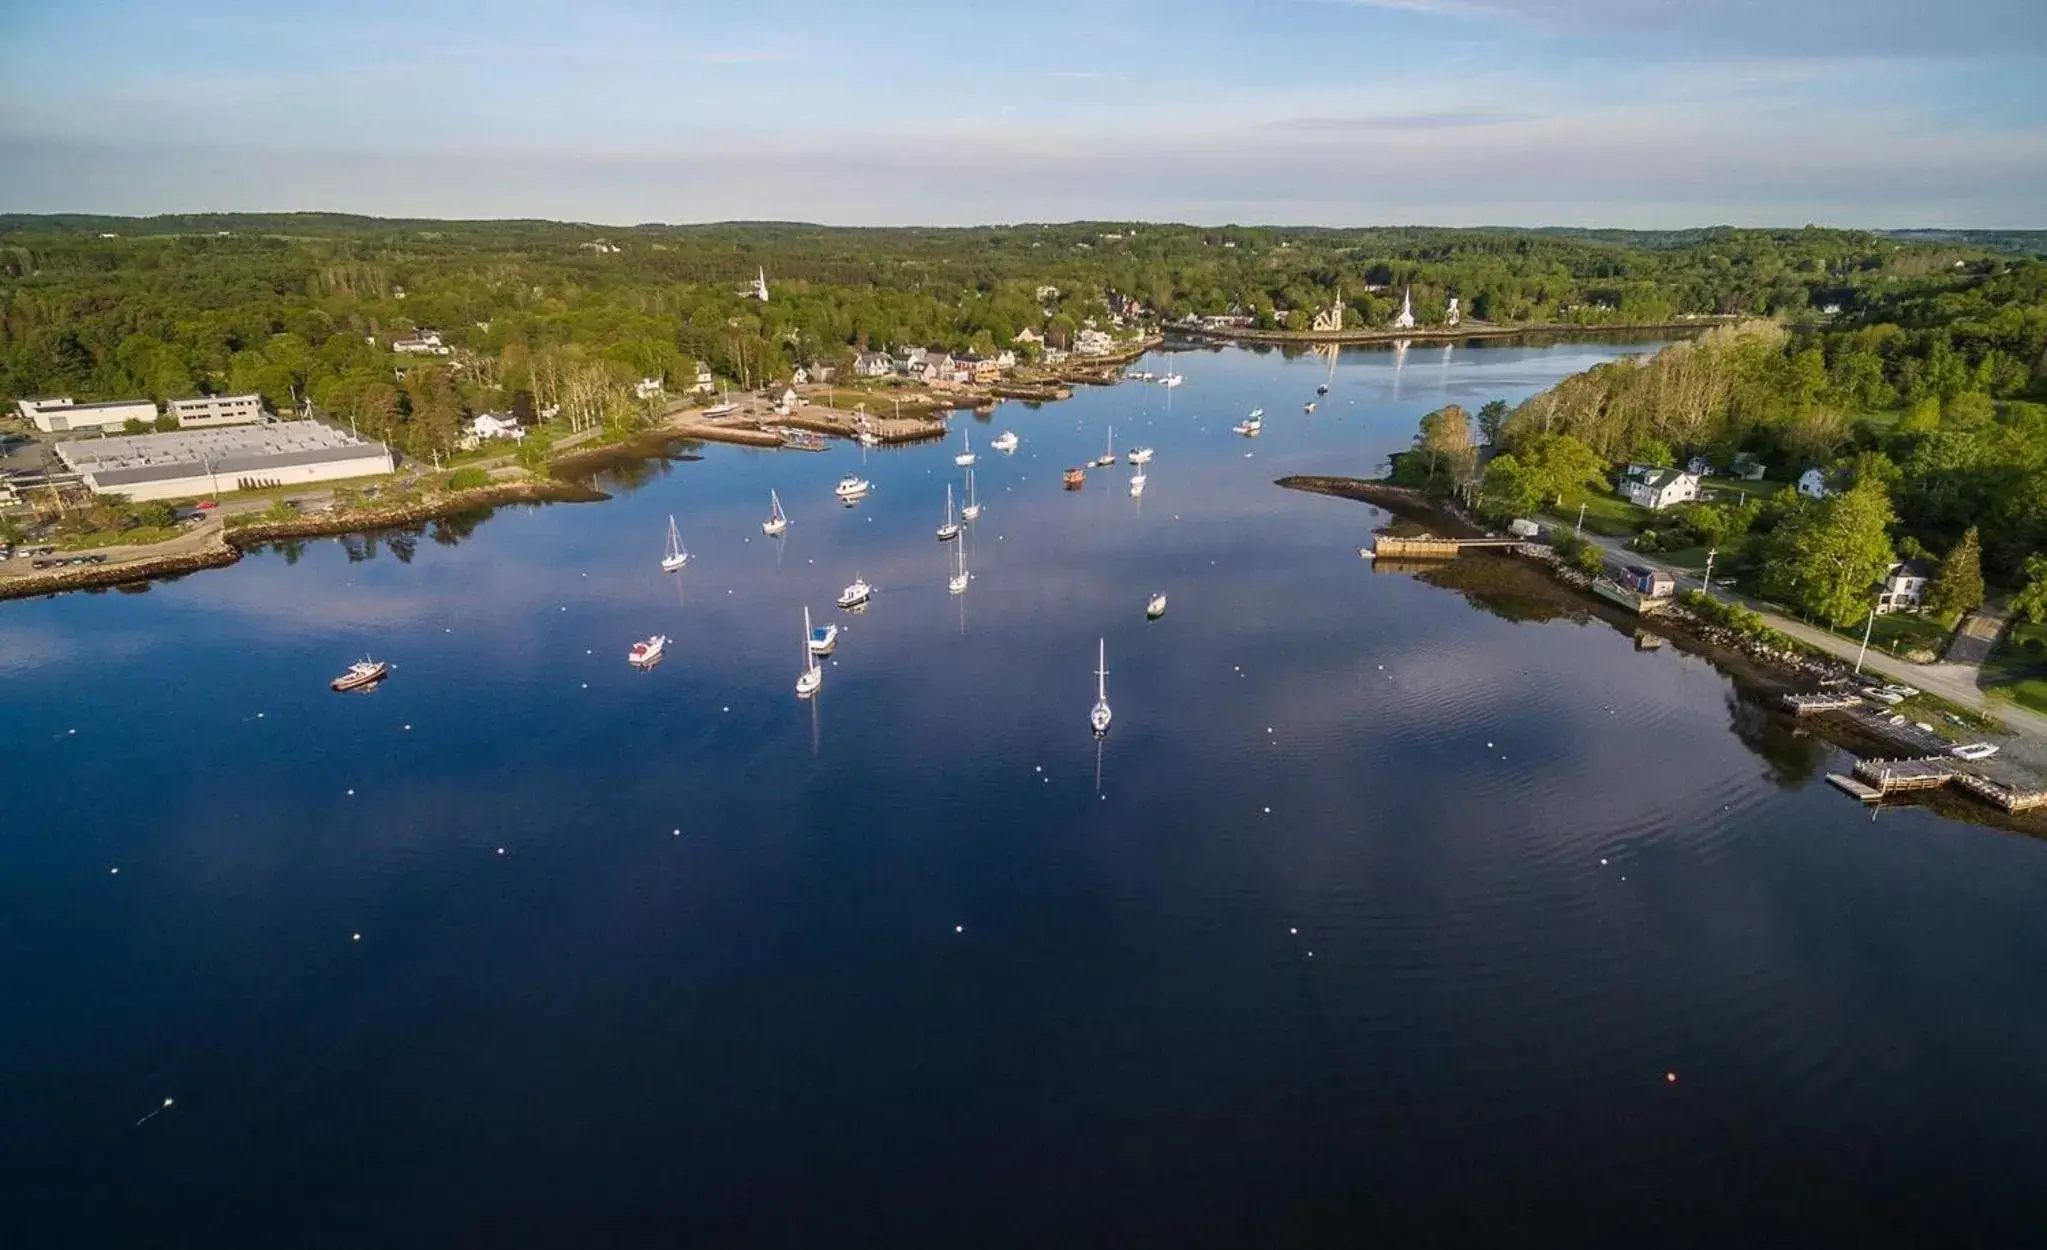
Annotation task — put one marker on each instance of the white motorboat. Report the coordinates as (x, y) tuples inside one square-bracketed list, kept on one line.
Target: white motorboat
[(1140, 455), (823, 638), (972, 508), (777, 521), (812, 676), (1108, 456), (1156, 608), (966, 457), (852, 487), (1170, 380), (1309, 406), (647, 651), (1251, 426), (361, 675), (1005, 442), (676, 556), (856, 594), (1137, 481), (1974, 751), (957, 584), (951, 529), (1142, 375), (1098, 716)]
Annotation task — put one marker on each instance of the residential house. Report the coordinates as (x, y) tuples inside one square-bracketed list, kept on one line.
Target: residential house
[(801, 376), (786, 403), (1453, 312), (1699, 465), (1027, 335), (1093, 342), (1660, 488), (1052, 356), (938, 367), (823, 371), (1005, 360), (705, 383), (973, 368), (873, 365), (485, 426), (1813, 484), (425, 343), (647, 388), (1746, 467), (1904, 586)]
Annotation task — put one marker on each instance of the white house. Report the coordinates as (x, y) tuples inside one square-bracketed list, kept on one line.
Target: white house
[(705, 382), (1813, 484), (1699, 465), (425, 343), (488, 425), (647, 388), (1453, 312), (873, 365), (1093, 342), (1661, 488), (1027, 335), (1904, 586), (786, 404)]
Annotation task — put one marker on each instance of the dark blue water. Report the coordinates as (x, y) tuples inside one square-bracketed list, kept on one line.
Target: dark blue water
[(1388, 913)]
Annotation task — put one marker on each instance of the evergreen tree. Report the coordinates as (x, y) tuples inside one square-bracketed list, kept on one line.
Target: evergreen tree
[(1960, 588)]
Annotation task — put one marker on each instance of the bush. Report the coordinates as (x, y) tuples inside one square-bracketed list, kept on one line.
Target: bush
[(468, 478)]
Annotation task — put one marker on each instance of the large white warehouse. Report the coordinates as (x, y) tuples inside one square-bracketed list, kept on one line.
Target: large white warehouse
[(207, 462)]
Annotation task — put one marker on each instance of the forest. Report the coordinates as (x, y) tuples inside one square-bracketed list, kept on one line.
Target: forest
[(306, 305)]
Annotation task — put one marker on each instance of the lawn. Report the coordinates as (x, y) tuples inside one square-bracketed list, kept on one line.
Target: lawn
[(1605, 513), (2018, 669), (1757, 490), (1902, 632)]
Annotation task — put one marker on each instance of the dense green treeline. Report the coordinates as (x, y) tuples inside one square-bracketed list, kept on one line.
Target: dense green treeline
[(296, 305)]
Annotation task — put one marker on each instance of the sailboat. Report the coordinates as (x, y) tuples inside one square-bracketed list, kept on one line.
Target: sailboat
[(1098, 717), (723, 408), (951, 529), (966, 457), (1250, 426), (812, 676), (1006, 442), (1156, 608), (1170, 380), (1139, 455), (958, 582), (1108, 456), (677, 556), (972, 508), (777, 521), (1137, 480)]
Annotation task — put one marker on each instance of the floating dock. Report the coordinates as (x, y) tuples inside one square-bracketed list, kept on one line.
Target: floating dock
[(1429, 547), (1825, 701), (1875, 780)]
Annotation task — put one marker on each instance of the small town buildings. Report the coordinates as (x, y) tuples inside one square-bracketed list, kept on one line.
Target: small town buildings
[(1093, 342), (485, 426), (973, 368), (211, 410), (190, 463), (1904, 586), (786, 402), (872, 365), (425, 343), (1453, 312), (648, 388), (705, 383), (1657, 489), (1053, 356), (1813, 484), (1005, 360), (1404, 320), (1027, 335), (61, 415)]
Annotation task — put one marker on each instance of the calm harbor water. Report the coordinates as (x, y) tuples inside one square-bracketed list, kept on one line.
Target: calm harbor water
[(1377, 910)]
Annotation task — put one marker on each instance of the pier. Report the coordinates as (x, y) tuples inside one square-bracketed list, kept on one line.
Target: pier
[(1876, 780), (1825, 701), (1429, 547)]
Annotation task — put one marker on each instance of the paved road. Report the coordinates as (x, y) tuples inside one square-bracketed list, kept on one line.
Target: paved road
[(1953, 682)]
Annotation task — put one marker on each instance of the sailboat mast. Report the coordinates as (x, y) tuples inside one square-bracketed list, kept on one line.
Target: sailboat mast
[(1102, 671), (809, 659)]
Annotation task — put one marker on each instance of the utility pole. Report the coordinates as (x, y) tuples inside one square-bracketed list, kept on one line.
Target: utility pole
[(1710, 553), (1578, 530), (1866, 629)]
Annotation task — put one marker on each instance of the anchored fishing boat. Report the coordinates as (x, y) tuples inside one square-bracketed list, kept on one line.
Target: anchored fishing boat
[(647, 651), (361, 675), (1156, 608), (856, 594)]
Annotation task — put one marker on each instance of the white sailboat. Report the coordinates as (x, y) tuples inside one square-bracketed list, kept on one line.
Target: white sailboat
[(1170, 380), (958, 582), (1098, 717), (1251, 426), (676, 556), (1137, 481), (1108, 456), (723, 408), (972, 508), (1140, 455), (966, 457), (812, 676), (1005, 442), (951, 529), (777, 520)]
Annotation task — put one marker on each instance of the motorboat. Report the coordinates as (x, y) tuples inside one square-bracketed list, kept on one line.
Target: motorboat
[(951, 529), (1136, 484), (1076, 478), (676, 556), (966, 457), (1974, 751), (1142, 375), (647, 651), (972, 507), (1322, 389), (1170, 380), (1251, 426), (1005, 442), (813, 675), (856, 594), (1098, 716), (1309, 406), (852, 487), (1156, 608), (823, 638), (1140, 455), (361, 675), (778, 521)]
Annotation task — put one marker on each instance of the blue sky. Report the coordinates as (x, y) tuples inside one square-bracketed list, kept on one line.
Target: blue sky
[(1592, 112)]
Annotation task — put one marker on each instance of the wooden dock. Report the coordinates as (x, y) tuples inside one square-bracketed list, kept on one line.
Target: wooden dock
[(1875, 780), (1825, 701), (1429, 547)]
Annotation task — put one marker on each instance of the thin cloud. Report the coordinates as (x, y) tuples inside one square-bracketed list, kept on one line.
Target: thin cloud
[(743, 58), (1380, 122)]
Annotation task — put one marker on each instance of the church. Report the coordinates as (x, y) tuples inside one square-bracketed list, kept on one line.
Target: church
[(1330, 319)]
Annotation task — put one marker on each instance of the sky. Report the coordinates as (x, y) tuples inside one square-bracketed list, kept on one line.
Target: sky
[(1633, 113)]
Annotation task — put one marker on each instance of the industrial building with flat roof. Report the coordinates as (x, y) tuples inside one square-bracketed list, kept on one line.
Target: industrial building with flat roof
[(60, 415), (210, 410), (207, 462)]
